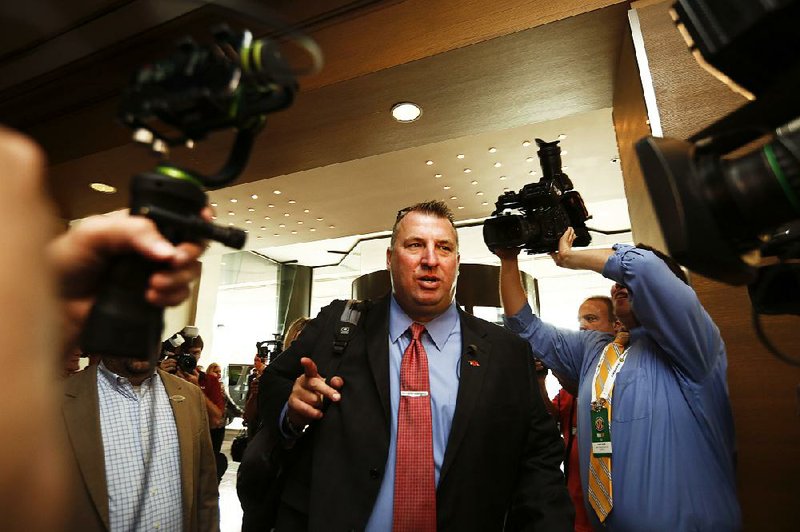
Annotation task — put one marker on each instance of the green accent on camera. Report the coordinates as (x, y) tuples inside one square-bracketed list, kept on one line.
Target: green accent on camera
[(778, 173), (177, 173)]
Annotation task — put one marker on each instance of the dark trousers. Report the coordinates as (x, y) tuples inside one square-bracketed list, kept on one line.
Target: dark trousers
[(217, 436)]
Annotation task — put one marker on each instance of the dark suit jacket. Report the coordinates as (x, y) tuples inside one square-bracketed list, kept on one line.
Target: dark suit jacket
[(81, 412), (501, 465)]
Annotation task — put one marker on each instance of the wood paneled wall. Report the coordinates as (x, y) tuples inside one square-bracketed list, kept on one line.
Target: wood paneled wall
[(763, 390)]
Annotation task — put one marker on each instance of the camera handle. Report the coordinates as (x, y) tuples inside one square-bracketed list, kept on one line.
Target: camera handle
[(122, 322)]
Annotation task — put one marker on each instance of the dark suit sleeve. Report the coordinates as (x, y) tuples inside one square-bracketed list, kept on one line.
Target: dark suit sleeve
[(541, 500), (278, 378)]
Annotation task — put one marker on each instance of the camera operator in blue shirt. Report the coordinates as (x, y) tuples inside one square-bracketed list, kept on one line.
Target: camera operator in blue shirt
[(655, 429)]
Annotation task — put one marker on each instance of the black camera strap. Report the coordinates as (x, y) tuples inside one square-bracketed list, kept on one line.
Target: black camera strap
[(348, 321)]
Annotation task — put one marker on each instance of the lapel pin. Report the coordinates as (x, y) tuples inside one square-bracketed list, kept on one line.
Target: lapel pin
[(177, 398), (474, 363)]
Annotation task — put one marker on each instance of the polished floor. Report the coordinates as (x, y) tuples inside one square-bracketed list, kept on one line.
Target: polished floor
[(230, 511)]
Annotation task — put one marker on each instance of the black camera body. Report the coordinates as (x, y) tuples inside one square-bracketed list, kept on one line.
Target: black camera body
[(546, 208), (186, 363)]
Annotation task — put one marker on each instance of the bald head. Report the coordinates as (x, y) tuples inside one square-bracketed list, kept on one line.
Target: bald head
[(597, 314)]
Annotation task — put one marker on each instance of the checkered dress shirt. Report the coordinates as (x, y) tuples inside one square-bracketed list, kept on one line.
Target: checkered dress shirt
[(125, 424)]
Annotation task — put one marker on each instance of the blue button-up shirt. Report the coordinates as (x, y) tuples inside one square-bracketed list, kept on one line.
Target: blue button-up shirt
[(442, 343), (126, 425), (671, 426)]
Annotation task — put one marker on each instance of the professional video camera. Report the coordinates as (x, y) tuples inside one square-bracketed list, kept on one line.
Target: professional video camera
[(269, 349), (233, 83), (733, 190), (548, 208)]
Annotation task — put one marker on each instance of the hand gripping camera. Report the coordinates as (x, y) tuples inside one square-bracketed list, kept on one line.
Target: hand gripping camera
[(547, 209), (233, 83)]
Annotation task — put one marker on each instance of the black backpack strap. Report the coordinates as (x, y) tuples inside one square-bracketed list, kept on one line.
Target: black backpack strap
[(348, 321)]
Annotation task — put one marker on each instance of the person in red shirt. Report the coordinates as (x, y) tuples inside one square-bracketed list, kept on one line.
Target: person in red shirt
[(596, 314)]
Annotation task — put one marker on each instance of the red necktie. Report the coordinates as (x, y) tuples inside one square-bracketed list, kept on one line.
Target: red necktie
[(414, 482)]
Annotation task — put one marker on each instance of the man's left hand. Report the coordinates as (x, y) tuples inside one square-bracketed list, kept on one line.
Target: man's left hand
[(561, 256)]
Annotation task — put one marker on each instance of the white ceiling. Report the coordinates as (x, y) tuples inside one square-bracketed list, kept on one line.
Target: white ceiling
[(361, 197)]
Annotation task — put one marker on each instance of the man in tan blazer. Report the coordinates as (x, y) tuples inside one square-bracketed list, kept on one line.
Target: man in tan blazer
[(94, 475)]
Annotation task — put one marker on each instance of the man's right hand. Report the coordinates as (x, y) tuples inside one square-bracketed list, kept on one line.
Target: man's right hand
[(308, 394), (170, 365)]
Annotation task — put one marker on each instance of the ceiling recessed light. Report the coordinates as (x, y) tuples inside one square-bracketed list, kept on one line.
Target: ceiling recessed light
[(446, 187), (254, 196), (502, 178), (214, 204), (275, 234), (437, 176), (485, 203), (526, 143), (460, 206), (529, 160), (467, 171), (250, 209), (453, 197), (405, 112), (248, 221), (312, 229), (506, 189), (259, 236), (277, 192), (281, 225), (331, 227), (234, 200), (294, 232), (429, 162), (246, 230), (102, 187), (263, 228), (492, 150), (270, 205), (474, 183), (498, 164), (565, 167), (306, 211), (292, 202), (479, 193), (460, 156), (320, 219), (561, 136), (299, 222), (532, 172), (230, 223), (213, 217), (267, 218), (231, 213), (286, 214)]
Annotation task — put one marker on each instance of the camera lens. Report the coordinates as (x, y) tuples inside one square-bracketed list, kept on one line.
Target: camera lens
[(187, 363)]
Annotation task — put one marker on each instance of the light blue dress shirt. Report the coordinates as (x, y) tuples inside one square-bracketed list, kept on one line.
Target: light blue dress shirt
[(442, 343), (671, 426), (126, 426)]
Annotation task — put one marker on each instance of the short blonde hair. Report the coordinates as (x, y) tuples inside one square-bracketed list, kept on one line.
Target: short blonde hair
[(293, 331)]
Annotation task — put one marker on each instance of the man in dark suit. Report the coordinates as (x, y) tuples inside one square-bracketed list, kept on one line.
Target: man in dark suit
[(110, 412), (431, 418)]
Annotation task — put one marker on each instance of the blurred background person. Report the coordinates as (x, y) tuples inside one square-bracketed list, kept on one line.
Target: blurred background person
[(596, 313), (251, 417)]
